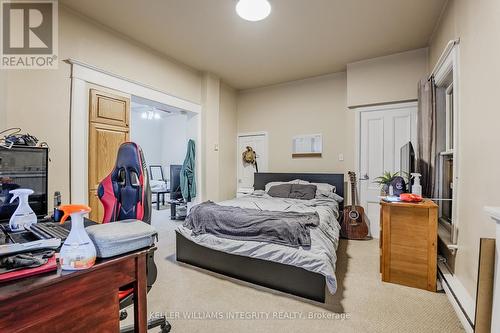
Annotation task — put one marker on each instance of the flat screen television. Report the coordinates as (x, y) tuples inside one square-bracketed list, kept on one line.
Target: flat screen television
[(175, 182), (23, 167), (407, 163)]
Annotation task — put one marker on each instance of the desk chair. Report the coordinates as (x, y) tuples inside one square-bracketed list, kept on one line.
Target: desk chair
[(125, 194)]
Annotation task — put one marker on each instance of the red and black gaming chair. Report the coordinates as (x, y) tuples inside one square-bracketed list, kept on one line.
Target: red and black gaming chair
[(125, 194)]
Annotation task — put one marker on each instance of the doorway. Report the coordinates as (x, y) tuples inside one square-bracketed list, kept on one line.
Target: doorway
[(381, 132), (163, 132), (85, 77), (245, 171)]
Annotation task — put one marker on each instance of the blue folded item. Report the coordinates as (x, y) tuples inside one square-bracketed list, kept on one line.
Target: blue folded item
[(115, 238)]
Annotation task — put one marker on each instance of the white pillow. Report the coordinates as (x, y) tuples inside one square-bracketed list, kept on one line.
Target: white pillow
[(324, 187), (299, 181), (259, 193), (330, 195)]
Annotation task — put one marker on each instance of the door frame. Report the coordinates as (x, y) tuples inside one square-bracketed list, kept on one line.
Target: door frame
[(357, 129), (238, 153), (82, 76)]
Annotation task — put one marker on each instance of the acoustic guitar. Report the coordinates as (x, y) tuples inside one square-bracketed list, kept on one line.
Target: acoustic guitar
[(354, 225)]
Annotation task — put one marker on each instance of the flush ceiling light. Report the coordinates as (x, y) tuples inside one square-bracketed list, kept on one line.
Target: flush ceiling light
[(253, 10), (152, 113)]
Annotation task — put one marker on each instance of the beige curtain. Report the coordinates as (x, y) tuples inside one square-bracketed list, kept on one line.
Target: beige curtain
[(426, 136)]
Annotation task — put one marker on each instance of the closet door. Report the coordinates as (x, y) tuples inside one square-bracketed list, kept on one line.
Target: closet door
[(108, 129), (382, 134), (245, 171)]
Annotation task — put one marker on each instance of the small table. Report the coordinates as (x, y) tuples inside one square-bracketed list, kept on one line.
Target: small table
[(173, 208), (408, 243), (162, 193), (76, 301)]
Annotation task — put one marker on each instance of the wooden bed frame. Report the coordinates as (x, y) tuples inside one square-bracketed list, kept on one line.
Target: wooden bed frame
[(286, 278)]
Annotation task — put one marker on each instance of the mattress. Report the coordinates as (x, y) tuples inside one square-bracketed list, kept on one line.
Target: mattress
[(319, 258)]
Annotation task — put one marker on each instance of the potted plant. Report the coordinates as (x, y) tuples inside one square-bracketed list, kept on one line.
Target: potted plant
[(385, 181)]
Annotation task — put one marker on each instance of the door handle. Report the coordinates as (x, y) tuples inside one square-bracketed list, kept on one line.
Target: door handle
[(365, 177)]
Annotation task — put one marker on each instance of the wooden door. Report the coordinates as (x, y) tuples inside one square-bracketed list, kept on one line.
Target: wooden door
[(382, 133), (108, 129)]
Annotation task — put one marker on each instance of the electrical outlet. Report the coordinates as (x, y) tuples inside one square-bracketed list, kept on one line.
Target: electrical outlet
[(341, 157), (216, 147)]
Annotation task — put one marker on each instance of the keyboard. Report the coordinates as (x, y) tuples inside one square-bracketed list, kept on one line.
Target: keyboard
[(48, 230), (42, 244)]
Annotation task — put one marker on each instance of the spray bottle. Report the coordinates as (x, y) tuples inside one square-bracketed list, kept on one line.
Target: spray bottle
[(78, 252), (24, 215), (416, 188)]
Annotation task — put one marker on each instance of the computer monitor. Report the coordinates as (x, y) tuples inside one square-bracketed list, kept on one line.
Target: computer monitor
[(407, 163), (23, 167), (175, 182)]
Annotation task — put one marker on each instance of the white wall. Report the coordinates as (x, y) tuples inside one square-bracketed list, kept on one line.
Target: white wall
[(227, 142), (310, 106), (477, 25), (387, 79), (210, 92), (163, 141), (147, 133), (3, 99), (174, 141)]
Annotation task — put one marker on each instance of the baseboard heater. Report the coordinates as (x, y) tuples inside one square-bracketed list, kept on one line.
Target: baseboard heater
[(474, 314), (460, 309)]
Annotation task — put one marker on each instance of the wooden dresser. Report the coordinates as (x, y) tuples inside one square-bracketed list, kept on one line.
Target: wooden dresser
[(408, 243)]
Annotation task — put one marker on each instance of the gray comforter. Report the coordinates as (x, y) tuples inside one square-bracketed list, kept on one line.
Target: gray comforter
[(285, 228), (319, 258)]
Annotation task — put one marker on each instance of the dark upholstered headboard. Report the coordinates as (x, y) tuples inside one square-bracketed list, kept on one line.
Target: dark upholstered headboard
[(335, 179)]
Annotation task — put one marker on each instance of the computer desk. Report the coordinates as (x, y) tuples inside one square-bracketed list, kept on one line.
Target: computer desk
[(76, 301)]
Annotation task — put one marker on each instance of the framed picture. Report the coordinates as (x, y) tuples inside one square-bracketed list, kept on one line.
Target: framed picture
[(309, 145)]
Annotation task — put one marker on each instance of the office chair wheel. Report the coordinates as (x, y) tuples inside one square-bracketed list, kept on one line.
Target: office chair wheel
[(165, 328), (123, 315)]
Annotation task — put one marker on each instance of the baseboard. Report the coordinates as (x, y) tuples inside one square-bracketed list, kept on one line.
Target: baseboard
[(462, 302)]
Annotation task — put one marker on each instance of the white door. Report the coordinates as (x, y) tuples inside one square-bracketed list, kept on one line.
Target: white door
[(258, 142), (383, 131)]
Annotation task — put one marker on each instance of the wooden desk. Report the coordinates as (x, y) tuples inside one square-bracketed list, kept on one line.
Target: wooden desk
[(408, 243), (78, 301)]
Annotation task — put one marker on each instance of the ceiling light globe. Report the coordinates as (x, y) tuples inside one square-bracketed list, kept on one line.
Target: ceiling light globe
[(253, 10)]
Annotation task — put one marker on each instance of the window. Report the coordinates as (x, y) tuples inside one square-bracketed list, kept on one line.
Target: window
[(447, 115)]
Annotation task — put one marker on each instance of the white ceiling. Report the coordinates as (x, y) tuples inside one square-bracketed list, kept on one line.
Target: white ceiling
[(301, 38)]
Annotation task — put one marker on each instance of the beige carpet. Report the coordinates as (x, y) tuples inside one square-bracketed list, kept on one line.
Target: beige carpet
[(189, 296)]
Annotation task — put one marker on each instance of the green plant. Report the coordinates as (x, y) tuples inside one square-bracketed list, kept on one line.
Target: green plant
[(386, 178)]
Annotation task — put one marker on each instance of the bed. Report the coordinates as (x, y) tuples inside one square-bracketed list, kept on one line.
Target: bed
[(300, 273)]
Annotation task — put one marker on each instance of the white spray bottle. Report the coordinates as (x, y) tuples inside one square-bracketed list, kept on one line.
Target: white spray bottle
[(78, 252), (416, 188), (24, 215)]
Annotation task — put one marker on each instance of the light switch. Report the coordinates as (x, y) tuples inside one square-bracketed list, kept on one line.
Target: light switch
[(216, 147), (341, 157)]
